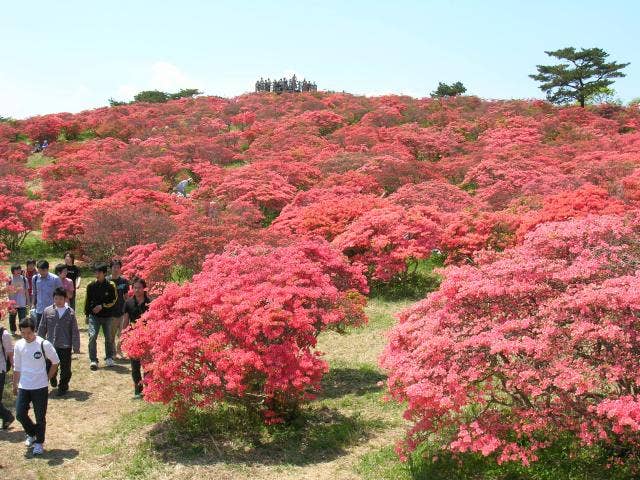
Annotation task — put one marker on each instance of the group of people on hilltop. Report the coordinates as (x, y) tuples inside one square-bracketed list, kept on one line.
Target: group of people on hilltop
[(45, 305)]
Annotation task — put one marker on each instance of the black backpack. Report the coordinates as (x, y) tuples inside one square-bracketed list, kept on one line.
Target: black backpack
[(4, 354)]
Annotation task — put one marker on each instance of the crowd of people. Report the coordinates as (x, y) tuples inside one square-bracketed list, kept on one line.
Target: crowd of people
[(42, 311)]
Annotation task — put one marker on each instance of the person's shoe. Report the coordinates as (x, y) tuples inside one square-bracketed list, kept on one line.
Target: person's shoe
[(29, 441), (109, 362), (54, 382), (93, 365), (7, 423), (62, 392), (38, 449)]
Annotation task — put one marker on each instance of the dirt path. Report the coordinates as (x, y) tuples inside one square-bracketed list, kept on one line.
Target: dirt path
[(94, 401)]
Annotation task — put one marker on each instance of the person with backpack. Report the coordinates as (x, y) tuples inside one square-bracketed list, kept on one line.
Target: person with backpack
[(31, 377), (122, 287), (44, 283), (134, 307), (60, 327), (98, 307), (6, 345), (18, 293)]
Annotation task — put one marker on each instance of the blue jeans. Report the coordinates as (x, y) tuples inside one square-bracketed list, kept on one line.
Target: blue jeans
[(39, 399), (94, 329)]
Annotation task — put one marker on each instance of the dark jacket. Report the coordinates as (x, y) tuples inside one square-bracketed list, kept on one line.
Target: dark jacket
[(101, 293), (62, 332), (122, 287)]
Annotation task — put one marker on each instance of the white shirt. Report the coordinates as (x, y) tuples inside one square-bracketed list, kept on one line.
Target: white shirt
[(7, 348), (27, 357), (61, 310)]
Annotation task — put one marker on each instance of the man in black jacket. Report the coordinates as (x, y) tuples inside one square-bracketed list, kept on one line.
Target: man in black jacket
[(100, 300)]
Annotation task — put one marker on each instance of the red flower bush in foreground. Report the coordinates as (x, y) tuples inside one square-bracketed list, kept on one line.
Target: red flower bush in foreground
[(536, 341), (244, 330)]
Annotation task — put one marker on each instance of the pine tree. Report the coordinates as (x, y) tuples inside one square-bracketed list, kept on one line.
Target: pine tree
[(583, 74)]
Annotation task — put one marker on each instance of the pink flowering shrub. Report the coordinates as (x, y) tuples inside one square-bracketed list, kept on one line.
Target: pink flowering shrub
[(528, 344), (245, 329)]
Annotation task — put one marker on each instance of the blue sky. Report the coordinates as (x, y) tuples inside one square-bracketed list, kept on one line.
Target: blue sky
[(72, 55)]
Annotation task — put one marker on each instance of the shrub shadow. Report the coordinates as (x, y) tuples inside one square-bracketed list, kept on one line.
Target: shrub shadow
[(233, 435), (355, 381)]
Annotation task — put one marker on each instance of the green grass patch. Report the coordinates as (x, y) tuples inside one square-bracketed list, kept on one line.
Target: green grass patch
[(383, 464), (414, 283), (232, 165), (36, 248), (37, 160)]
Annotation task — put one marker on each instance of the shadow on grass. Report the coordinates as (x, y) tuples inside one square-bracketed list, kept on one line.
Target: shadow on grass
[(56, 456), (15, 435), (355, 381), (231, 434)]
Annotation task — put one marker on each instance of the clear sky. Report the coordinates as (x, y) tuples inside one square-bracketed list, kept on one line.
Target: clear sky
[(73, 55)]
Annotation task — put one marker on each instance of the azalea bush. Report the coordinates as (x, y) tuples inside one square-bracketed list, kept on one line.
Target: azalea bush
[(527, 345), (244, 330)]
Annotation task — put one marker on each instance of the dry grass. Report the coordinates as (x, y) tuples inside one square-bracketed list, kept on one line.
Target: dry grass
[(99, 431)]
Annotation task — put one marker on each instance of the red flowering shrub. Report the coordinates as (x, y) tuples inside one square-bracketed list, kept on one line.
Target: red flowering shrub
[(385, 239), (64, 221), (323, 213), (529, 344), (469, 231), (132, 217), (578, 203), (267, 190), (18, 217), (245, 329)]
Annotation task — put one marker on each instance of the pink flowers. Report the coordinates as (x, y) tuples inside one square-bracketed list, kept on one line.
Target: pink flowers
[(529, 342)]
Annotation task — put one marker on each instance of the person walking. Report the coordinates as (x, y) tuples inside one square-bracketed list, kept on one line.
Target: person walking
[(29, 274), (134, 307), (44, 283), (73, 274), (122, 287), (6, 346), (60, 327), (98, 307), (62, 272), (18, 293), (31, 382)]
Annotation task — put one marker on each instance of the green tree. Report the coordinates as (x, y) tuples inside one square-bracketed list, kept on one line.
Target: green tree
[(583, 75), (151, 96), (185, 93), (116, 103), (445, 90)]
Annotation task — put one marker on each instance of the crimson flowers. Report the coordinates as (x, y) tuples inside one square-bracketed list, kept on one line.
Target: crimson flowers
[(245, 329)]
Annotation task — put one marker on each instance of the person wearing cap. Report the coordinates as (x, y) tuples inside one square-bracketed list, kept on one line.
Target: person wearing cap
[(100, 300)]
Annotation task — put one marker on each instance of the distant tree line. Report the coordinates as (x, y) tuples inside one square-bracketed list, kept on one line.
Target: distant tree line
[(157, 96), (292, 85)]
